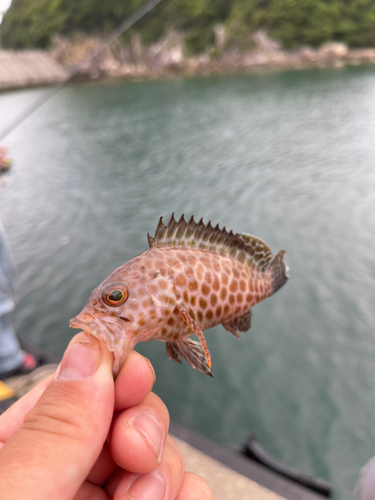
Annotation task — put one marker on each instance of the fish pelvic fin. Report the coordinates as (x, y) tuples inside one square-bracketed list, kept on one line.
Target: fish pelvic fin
[(241, 323), (195, 329), (247, 249), (194, 354), (173, 352), (277, 271)]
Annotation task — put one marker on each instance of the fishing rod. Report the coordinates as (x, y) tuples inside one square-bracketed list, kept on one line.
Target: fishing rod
[(125, 26)]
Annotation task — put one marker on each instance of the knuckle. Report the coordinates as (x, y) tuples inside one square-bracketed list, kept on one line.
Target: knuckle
[(56, 415)]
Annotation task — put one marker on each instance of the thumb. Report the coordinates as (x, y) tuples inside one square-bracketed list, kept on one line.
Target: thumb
[(50, 455)]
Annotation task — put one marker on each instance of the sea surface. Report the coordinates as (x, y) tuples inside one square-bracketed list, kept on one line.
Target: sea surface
[(289, 157)]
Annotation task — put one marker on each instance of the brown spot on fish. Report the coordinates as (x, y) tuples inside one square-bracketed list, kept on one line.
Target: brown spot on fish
[(209, 314), (239, 297), (141, 322), (216, 284), (200, 316), (218, 311), (243, 285), (181, 280), (193, 286), (226, 309), (223, 293), (133, 305), (208, 278), (192, 313), (238, 310), (193, 300), (163, 284), (213, 299), (202, 303), (232, 299), (175, 336), (170, 335), (147, 303), (185, 296), (205, 289), (249, 297), (171, 321)]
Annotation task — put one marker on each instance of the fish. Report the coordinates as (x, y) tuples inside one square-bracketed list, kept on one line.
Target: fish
[(192, 277)]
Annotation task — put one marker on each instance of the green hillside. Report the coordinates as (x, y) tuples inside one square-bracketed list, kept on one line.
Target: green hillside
[(32, 23)]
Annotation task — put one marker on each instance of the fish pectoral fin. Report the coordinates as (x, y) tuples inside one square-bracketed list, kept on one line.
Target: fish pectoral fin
[(162, 291), (195, 328), (173, 352), (195, 355), (241, 323)]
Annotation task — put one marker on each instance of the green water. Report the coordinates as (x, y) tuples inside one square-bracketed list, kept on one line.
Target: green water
[(288, 157)]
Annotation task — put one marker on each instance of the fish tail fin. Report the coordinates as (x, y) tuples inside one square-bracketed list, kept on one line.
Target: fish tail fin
[(277, 271)]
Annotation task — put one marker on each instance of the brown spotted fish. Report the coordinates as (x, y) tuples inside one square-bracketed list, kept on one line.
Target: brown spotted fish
[(193, 277)]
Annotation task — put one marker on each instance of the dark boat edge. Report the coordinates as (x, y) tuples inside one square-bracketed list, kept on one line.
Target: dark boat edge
[(250, 467), (253, 450)]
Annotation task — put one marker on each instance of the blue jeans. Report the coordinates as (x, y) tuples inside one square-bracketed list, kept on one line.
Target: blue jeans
[(10, 351)]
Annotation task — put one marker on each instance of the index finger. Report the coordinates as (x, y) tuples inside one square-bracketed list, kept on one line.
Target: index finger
[(134, 381)]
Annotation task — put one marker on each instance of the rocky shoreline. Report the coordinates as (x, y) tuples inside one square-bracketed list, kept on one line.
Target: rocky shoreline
[(167, 58)]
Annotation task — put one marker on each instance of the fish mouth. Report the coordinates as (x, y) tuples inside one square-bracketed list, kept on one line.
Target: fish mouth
[(111, 330)]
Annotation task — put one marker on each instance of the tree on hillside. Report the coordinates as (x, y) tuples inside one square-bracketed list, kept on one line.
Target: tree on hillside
[(32, 23)]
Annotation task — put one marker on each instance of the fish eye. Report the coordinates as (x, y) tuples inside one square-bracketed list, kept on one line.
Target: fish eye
[(114, 295)]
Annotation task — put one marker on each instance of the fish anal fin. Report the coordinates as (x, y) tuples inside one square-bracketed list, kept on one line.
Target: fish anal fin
[(194, 327), (195, 355), (229, 328), (173, 351), (241, 323)]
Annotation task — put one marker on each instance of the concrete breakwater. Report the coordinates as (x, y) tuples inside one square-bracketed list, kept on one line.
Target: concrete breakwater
[(165, 58), (28, 68)]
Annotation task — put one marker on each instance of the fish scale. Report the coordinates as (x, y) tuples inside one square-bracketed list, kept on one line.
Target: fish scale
[(194, 276)]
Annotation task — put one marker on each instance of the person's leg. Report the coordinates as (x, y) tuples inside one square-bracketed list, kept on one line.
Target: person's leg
[(11, 355)]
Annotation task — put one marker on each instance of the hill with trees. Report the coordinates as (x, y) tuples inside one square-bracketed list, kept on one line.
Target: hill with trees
[(295, 23)]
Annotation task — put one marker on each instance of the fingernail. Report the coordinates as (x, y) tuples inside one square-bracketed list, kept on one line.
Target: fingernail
[(151, 430), (149, 486), (151, 368), (80, 361)]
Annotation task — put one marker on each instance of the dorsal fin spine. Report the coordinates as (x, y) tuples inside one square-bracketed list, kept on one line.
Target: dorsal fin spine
[(246, 248)]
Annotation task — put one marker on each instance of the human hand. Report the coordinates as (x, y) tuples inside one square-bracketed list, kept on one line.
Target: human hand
[(81, 435)]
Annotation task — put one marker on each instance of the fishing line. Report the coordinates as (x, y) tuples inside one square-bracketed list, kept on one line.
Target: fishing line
[(128, 23)]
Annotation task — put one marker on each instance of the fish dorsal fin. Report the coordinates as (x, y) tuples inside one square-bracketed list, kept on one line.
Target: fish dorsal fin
[(247, 249)]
